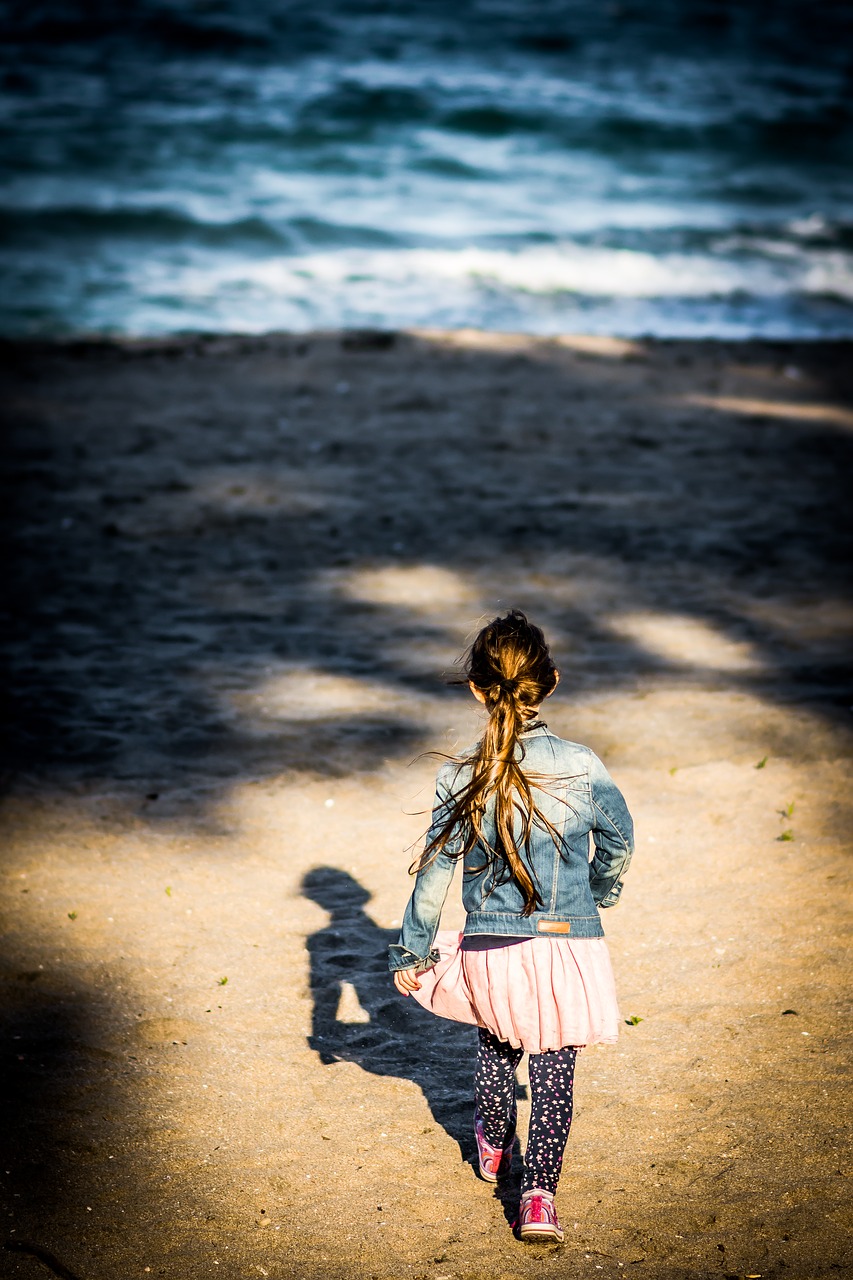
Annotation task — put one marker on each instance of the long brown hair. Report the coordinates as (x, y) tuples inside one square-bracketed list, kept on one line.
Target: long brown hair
[(509, 663)]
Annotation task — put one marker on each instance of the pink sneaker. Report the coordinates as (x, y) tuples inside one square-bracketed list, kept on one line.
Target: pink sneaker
[(494, 1161), (537, 1217)]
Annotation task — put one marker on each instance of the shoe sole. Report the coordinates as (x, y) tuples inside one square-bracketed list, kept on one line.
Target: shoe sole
[(535, 1231), (502, 1171)]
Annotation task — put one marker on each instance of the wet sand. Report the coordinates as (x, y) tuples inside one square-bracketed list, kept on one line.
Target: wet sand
[(240, 572)]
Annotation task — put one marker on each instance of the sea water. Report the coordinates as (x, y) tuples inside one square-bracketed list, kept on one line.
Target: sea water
[(668, 168)]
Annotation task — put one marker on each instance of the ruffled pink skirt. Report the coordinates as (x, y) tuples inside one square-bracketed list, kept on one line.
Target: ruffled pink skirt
[(538, 994)]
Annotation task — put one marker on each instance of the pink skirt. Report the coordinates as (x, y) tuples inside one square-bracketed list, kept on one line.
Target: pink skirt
[(537, 994)]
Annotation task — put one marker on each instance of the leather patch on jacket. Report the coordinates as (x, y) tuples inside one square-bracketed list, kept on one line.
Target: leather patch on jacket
[(554, 926)]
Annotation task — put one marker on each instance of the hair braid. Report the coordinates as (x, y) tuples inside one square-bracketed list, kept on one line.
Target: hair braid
[(510, 664)]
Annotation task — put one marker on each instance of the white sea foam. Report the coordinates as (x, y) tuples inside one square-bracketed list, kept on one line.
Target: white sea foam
[(428, 168), (588, 271), (540, 290)]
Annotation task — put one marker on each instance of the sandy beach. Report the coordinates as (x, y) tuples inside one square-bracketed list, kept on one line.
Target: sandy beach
[(239, 576)]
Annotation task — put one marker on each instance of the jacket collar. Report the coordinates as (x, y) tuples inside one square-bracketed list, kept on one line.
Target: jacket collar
[(538, 727)]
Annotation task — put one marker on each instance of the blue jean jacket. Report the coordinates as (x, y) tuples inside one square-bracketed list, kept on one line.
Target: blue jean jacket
[(576, 794)]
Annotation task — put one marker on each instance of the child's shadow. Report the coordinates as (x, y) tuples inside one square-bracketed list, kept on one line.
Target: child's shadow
[(360, 1017)]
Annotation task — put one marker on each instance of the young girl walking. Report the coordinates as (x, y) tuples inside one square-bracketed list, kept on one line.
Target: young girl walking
[(531, 969)]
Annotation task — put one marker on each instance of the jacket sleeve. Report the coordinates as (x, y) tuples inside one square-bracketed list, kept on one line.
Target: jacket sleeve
[(420, 923), (612, 833)]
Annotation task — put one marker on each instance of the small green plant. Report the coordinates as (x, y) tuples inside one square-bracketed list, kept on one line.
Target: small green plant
[(761, 762), (786, 835), (673, 771), (168, 891), (788, 811), (633, 1021), (222, 982), (72, 915)]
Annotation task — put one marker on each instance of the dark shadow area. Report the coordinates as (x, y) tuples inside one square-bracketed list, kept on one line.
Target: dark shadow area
[(87, 1190), (42, 1034), (186, 519), (63, 1105)]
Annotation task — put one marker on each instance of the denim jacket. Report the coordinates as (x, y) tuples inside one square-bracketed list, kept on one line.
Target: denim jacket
[(576, 794)]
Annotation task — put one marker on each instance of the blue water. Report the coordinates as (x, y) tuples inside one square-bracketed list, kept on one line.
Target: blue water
[(661, 168)]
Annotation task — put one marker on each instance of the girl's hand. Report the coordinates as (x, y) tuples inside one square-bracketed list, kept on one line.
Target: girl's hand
[(405, 980)]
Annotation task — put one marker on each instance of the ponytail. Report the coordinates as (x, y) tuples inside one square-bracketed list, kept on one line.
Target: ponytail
[(511, 667)]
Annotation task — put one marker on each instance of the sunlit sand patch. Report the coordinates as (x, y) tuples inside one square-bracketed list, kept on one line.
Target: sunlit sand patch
[(306, 694), (831, 413), (605, 348), (685, 727), (507, 343), (476, 340), (423, 588), (350, 1008), (689, 642)]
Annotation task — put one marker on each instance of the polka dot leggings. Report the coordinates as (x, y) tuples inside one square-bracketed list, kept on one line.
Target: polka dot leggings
[(551, 1083)]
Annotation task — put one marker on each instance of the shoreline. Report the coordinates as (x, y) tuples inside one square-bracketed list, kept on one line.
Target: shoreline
[(95, 337)]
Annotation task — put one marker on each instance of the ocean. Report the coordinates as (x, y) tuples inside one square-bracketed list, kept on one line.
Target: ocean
[(669, 168)]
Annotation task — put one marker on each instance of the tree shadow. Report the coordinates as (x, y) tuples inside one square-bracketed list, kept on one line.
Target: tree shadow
[(38, 1143), (65, 1105), (161, 562)]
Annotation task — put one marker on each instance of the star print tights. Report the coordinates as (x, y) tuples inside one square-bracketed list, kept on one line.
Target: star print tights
[(551, 1082)]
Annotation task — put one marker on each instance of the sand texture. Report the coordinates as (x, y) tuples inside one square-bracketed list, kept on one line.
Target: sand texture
[(239, 573)]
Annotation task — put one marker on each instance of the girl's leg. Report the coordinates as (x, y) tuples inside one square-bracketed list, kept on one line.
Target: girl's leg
[(551, 1082), (494, 1087)]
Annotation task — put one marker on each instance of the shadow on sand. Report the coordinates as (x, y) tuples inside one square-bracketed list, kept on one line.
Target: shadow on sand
[(397, 1037), (175, 579)]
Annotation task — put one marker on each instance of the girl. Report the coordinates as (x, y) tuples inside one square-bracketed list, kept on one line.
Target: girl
[(531, 969)]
